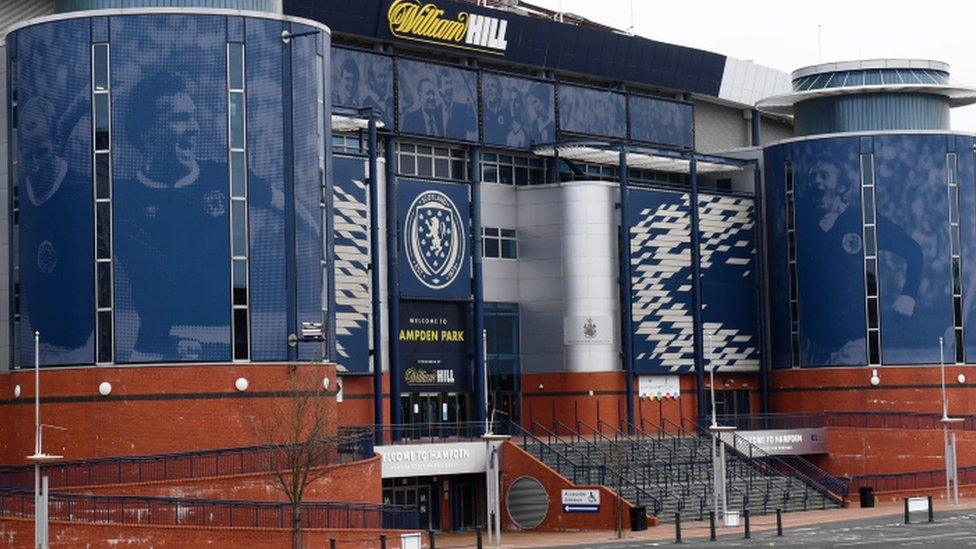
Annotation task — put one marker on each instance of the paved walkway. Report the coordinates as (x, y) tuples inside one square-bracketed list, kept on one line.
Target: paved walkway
[(691, 530)]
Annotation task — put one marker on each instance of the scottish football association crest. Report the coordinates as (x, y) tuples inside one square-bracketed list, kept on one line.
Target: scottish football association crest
[(434, 239)]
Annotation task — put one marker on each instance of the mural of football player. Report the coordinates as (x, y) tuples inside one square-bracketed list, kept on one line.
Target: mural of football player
[(459, 116), (426, 117)]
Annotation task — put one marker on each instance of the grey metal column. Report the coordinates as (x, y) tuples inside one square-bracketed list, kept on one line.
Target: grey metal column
[(759, 227), (627, 305), (478, 290), (696, 300), (756, 128), (393, 285), (374, 268)]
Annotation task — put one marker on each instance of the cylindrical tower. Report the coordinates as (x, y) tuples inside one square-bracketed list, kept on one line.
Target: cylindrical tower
[(870, 221), (168, 169)]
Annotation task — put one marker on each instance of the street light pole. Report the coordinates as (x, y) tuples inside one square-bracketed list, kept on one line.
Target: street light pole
[(718, 446), (952, 481), (39, 457)]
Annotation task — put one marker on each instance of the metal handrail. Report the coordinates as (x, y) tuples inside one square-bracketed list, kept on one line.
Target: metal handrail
[(183, 465), (162, 511), (823, 482), (851, 419), (620, 481), (933, 478)]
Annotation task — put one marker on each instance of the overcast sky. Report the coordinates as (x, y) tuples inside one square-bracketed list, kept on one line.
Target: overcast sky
[(784, 35)]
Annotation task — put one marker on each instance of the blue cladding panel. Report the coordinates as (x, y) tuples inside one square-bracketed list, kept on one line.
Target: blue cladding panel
[(435, 255), (662, 122), (913, 237), (967, 229), (728, 281), (308, 190), (438, 101), (777, 258), (660, 247), (362, 79), (56, 213), (352, 259), (517, 112), (172, 291), (266, 194), (830, 258), (591, 111)]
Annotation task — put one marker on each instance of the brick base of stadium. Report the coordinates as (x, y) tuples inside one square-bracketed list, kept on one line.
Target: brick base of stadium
[(17, 532)]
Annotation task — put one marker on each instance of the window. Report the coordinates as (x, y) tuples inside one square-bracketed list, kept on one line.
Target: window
[(871, 274), (324, 201), (433, 162), (791, 238), (952, 171), (500, 243), (102, 151), (508, 169), (237, 166), (14, 198), (503, 364)]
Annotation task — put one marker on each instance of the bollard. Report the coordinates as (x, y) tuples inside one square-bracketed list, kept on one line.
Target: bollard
[(931, 510), (779, 522), (677, 527), (711, 526), (332, 543), (430, 536), (745, 517), (382, 541), (908, 520), (477, 534)]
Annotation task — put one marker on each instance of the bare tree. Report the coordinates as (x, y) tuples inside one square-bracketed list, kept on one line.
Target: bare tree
[(295, 431)]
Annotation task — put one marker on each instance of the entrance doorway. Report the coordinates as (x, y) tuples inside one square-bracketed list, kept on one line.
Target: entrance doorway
[(731, 403), (426, 413)]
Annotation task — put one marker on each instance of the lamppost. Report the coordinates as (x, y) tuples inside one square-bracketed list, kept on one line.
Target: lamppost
[(948, 442), (39, 457), (718, 446), (493, 480)]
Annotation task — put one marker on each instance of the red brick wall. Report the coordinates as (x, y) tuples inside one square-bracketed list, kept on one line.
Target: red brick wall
[(902, 389), (358, 482), (565, 397), (151, 410), (516, 463), (356, 407), (856, 452), (20, 533)]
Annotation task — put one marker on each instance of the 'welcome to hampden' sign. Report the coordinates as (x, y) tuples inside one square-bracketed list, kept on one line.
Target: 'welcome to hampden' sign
[(414, 460)]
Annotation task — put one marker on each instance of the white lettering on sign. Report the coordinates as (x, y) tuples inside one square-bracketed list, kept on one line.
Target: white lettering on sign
[(411, 460), (783, 442), (918, 504)]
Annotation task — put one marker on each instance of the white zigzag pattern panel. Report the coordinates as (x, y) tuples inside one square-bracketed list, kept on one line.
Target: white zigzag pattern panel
[(352, 277)]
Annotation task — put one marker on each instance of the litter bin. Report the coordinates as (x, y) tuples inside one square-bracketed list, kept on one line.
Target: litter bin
[(866, 494), (638, 518)]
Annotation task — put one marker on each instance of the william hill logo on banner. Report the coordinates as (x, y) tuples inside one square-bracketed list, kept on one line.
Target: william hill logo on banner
[(411, 20)]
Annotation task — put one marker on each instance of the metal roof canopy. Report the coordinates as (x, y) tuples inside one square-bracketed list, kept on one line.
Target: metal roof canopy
[(347, 119), (641, 157)]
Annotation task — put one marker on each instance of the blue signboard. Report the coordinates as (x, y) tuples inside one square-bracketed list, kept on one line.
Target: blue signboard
[(361, 79), (438, 101), (592, 111), (55, 248), (517, 112), (352, 260), (169, 149), (435, 346), (435, 254), (661, 122)]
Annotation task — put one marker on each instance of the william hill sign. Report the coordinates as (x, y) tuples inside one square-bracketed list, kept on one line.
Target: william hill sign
[(412, 20)]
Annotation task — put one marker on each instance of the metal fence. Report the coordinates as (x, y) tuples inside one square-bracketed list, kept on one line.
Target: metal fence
[(860, 420), (186, 465), (155, 511), (890, 482)]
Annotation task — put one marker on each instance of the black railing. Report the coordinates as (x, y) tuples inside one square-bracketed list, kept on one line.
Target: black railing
[(914, 480), (859, 420), (184, 465), (157, 511)]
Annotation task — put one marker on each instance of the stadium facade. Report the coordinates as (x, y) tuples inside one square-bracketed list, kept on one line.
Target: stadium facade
[(457, 204)]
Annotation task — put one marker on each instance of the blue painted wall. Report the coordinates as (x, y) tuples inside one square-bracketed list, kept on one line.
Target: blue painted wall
[(592, 111), (777, 258), (661, 122), (56, 249), (352, 260), (660, 232)]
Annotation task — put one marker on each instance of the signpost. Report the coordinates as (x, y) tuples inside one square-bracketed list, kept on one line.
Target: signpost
[(584, 500)]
